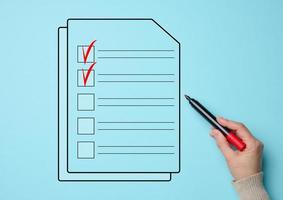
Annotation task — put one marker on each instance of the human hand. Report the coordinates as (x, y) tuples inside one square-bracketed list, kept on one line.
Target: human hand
[(241, 164)]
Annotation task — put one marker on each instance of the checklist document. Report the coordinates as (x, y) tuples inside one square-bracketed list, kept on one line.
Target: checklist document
[(118, 101)]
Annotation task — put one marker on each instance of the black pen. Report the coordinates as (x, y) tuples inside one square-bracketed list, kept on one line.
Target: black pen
[(230, 135)]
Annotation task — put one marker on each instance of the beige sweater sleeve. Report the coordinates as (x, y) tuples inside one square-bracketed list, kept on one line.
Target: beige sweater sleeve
[(251, 188)]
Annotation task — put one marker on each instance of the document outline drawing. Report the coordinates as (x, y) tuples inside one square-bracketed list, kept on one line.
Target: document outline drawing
[(179, 99)]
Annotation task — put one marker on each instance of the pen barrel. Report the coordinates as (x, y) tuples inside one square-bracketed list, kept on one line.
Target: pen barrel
[(203, 111), (236, 141), (209, 117)]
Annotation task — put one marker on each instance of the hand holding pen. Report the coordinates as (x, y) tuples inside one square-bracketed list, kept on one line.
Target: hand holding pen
[(244, 162), (241, 164), (229, 134)]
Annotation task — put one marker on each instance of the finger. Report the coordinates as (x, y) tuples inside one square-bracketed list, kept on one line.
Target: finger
[(230, 124), (241, 129), (222, 144)]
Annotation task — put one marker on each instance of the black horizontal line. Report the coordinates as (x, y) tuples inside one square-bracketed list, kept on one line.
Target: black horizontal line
[(138, 81), (137, 74), (133, 105), (136, 153), (132, 98), (134, 146), (135, 50), (136, 129), (136, 57), (139, 122)]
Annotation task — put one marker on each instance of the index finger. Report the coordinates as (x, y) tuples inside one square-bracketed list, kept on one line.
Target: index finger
[(240, 128)]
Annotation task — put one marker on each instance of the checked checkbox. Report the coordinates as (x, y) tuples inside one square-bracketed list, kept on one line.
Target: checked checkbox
[(86, 53), (81, 81)]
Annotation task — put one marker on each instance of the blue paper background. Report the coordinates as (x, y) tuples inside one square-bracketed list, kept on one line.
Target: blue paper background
[(231, 61)]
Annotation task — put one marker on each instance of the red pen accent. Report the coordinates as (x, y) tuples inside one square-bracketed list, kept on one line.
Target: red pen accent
[(236, 141), (85, 55), (85, 77)]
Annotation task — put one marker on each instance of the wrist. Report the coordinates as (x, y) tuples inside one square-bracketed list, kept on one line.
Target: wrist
[(251, 187), (245, 174)]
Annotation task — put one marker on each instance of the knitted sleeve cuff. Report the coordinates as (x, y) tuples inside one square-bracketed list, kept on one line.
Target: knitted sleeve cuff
[(251, 188)]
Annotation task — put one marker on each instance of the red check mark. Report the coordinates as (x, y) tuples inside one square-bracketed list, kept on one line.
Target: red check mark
[(85, 55), (85, 77)]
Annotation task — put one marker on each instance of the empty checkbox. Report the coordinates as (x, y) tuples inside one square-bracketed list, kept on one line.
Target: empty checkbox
[(85, 125), (80, 78), (85, 150), (85, 102)]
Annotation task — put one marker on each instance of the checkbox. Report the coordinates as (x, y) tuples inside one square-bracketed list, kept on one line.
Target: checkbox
[(85, 125), (85, 150), (80, 54), (85, 102), (80, 80)]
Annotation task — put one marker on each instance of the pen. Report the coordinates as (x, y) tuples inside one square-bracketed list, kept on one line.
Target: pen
[(231, 137)]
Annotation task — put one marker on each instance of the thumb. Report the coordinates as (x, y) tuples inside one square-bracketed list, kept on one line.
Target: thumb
[(222, 143)]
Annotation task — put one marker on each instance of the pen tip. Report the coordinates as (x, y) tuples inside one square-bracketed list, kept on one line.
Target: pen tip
[(187, 97)]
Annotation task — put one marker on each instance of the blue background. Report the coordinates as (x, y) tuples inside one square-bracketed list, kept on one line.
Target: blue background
[(231, 61)]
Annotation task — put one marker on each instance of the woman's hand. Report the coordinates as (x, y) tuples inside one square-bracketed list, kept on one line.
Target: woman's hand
[(241, 164)]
